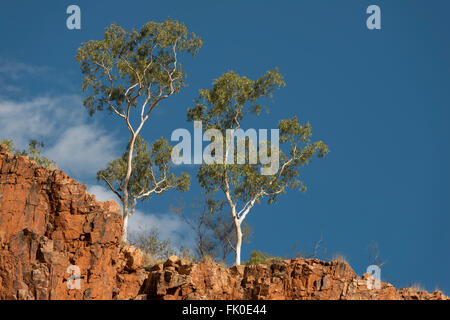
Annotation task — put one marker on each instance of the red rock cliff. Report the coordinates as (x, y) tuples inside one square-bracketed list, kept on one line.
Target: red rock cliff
[(299, 279), (49, 222)]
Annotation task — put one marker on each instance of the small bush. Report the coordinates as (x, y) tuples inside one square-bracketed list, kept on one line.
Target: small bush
[(154, 249), (33, 152), (258, 257), (157, 250)]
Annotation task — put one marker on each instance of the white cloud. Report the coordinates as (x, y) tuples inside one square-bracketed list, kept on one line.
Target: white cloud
[(9, 88), (169, 225), (79, 147), (39, 117), (83, 149), (102, 194), (16, 69)]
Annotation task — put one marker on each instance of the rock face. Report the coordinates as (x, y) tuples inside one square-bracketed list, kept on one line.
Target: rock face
[(49, 222), (298, 279), (50, 228)]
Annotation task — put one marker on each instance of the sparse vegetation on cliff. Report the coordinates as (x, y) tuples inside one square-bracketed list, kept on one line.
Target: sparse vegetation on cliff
[(258, 257), (33, 152)]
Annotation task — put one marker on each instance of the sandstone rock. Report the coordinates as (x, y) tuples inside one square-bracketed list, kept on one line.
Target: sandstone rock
[(49, 222), (157, 267), (296, 279), (130, 284), (133, 257), (172, 261)]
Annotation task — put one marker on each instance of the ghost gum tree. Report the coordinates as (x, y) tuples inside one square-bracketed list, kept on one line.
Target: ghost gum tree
[(243, 185), (130, 74)]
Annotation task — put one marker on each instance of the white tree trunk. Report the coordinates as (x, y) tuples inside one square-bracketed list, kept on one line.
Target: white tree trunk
[(238, 243), (125, 227), (126, 213)]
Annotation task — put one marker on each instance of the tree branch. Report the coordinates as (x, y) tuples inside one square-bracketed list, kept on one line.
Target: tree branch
[(111, 187)]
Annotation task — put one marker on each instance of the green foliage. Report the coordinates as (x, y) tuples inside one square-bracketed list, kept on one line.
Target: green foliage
[(222, 108), (126, 65), (33, 152), (122, 71), (150, 171), (9, 145), (258, 257), (231, 97)]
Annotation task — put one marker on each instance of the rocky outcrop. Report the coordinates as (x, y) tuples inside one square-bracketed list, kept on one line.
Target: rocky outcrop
[(49, 222), (50, 228), (296, 279)]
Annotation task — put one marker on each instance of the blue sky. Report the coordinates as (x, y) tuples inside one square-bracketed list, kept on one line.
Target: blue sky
[(379, 99)]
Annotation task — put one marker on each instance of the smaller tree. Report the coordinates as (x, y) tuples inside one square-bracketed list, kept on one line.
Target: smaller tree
[(244, 184), (9, 145), (150, 175), (33, 152), (258, 257)]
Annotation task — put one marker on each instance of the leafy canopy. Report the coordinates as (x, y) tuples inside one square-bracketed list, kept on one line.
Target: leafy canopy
[(129, 65), (150, 171), (258, 257), (231, 98), (224, 107)]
